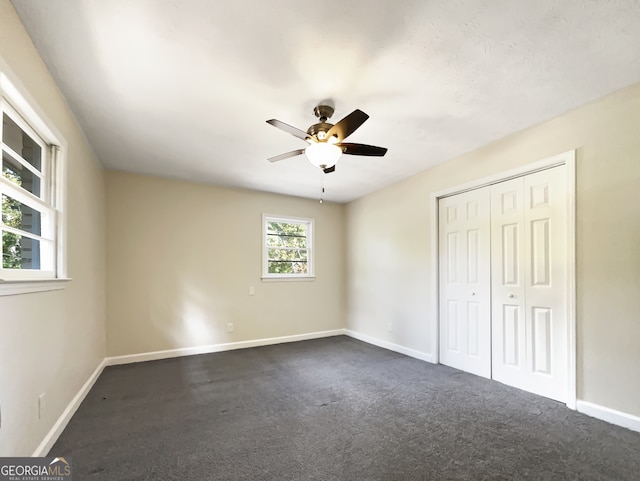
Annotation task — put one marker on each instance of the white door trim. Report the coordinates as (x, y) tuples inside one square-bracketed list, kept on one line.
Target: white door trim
[(569, 160)]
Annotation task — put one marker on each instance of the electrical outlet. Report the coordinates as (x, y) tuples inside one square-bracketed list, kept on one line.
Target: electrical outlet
[(229, 326), (41, 399), (252, 291), (389, 327)]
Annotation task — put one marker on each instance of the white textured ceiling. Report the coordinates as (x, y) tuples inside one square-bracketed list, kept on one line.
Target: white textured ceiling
[(182, 88)]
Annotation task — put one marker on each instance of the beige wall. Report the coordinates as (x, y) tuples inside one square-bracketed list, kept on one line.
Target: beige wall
[(182, 256), (389, 243), (51, 342)]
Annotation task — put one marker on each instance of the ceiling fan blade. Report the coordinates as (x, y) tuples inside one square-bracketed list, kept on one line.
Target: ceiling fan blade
[(293, 153), (328, 170), (362, 149), (289, 129), (348, 125)]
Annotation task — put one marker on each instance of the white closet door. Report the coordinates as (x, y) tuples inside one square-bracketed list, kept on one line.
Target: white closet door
[(546, 248), (465, 280), (507, 278), (529, 323)]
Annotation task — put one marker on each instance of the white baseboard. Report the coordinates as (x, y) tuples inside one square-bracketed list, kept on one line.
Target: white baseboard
[(230, 346), (55, 432), (423, 356), (53, 435), (612, 416), (609, 415)]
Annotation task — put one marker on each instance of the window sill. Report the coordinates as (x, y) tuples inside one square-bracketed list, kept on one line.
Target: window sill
[(10, 287), (289, 279)]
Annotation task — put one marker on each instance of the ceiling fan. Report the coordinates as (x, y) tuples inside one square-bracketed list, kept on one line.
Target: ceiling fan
[(325, 140)]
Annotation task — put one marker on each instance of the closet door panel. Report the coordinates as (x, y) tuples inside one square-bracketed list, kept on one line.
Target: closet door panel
[(529, 325), (508, 281), (464, 239), (545, 283)]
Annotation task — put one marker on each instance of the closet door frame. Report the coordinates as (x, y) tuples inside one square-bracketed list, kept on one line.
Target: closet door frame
[(569, 160)]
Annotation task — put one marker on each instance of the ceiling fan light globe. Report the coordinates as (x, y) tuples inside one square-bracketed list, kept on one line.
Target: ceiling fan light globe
[(323, 154)]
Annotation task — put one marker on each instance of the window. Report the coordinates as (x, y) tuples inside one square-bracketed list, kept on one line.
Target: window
[(28, 212), (287, 249), (31, 224)]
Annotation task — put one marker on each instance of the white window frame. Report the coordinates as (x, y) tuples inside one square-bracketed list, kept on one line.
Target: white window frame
[(310, 274), (24, 111)]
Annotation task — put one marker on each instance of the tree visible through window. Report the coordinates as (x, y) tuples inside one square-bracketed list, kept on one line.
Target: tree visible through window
[(287, 247), (12, 217)]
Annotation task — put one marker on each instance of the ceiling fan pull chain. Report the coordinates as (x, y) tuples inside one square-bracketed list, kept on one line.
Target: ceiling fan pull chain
[(322, 185)]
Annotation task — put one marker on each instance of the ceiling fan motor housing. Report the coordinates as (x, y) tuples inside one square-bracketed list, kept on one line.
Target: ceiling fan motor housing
[(316, 129), (323, 112)]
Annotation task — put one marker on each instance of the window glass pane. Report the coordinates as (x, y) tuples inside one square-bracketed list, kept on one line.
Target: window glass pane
[(20, 252), (284, 267), (21, 143), (279, 255), (18, 174), (285, 240), (287, 261), (283, 234), (20, 216), (286, 228)]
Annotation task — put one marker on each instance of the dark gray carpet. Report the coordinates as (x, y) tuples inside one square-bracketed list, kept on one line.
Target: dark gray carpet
[(331, 409)]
